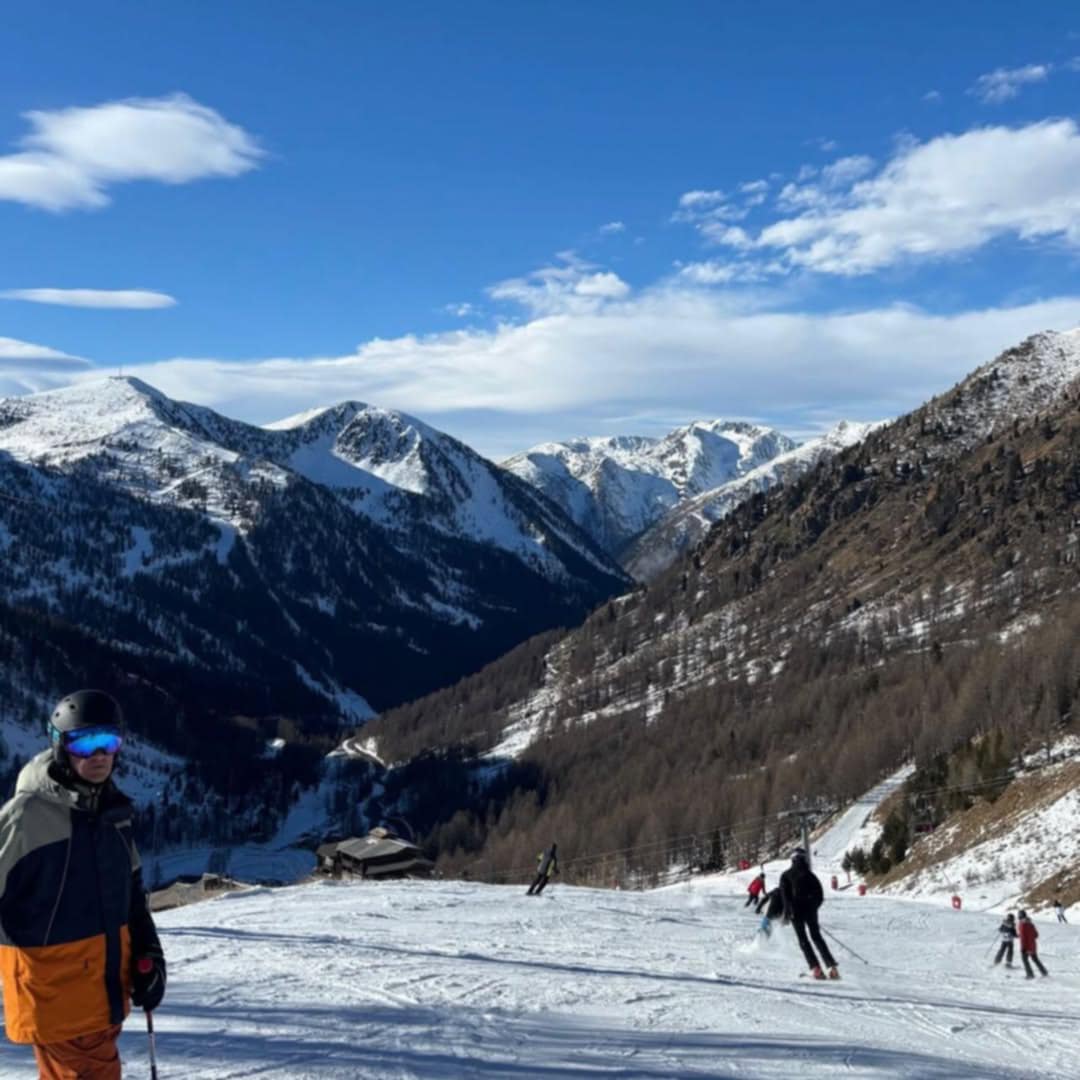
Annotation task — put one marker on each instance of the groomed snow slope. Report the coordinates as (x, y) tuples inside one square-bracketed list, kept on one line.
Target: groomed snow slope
[(455, 980)]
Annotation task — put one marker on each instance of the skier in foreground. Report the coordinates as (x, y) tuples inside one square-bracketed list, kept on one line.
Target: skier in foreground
[(547, 863), (74, 922), (803, 895)]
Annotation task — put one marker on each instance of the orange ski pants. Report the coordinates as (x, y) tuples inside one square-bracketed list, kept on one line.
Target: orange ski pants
[(89, 1057)]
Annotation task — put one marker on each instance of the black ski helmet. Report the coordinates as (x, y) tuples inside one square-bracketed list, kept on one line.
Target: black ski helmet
[(84, 709)]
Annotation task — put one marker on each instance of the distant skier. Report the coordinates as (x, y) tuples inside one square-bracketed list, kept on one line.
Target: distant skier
[(76, 935), (1007, 932), (803, 895), (1059, 911), (755, 889), (1029, 950), (547, 863)]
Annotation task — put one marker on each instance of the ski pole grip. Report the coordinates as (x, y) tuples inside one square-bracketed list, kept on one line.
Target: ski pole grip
[(146, 965)]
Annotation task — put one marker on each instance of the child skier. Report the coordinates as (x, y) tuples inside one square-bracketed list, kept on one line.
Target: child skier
[(775, 910), (755, 889), (1007, 931), (1028, 947)]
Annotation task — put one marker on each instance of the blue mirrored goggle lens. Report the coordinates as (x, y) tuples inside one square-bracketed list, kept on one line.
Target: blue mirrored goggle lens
[(87, 743)]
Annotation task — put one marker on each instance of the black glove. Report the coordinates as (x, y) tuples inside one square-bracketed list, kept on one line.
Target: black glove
[(148, 981)]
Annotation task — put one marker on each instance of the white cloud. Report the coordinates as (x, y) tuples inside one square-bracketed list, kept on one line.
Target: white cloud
[(1005, 83), (671, 351), (574, 286), (13, 349), (730, 236), (613, 227), (462, 311), (93, 298), (26, 367), (72, 156), (710, 272), (932, 96), (754, 192), (698, 199), (846, 170), (940, 198), (607, 286)]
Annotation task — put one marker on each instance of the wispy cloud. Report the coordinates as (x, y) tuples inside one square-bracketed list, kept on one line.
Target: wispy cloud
[(1004, 83), (932, 200), (11, 349), (572, 285), (613, 227), (73, 156), (137, 299), (932, 96), (669, 351), (26, 367)]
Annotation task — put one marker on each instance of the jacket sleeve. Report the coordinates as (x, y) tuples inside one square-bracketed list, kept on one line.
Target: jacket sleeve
[(11, 850), (817, 892), (144, 935)]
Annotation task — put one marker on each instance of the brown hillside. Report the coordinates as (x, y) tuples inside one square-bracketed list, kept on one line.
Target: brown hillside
[(822, 634)]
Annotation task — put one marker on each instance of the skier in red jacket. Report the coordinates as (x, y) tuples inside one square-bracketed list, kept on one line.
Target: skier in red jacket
[(1029, 950), (755, 889)]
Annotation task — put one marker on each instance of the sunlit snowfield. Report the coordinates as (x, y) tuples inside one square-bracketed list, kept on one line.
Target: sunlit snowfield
[(462, 980)]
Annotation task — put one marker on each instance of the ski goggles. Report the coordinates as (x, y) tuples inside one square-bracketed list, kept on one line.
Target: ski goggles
[(88, 741)]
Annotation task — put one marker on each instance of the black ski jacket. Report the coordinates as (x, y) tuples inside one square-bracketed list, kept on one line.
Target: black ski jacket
[(802, 892)]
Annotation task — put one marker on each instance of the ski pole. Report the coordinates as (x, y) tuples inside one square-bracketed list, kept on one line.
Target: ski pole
[(146, 965), (153, 1055), (843, 946)]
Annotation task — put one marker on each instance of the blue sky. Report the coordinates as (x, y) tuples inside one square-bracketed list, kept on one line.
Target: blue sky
[(526, 221)]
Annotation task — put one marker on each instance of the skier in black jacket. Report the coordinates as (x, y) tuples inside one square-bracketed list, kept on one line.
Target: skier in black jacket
[(547, 863), (803, 896)]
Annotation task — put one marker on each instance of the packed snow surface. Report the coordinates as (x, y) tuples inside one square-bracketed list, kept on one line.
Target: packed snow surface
[(452, 980)]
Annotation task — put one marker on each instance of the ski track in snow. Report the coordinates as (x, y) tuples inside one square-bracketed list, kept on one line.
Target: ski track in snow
[(453, 980)]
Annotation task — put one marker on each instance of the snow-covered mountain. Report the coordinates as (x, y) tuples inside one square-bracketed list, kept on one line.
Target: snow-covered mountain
[(617, 487), (356, 553), (684, 526)]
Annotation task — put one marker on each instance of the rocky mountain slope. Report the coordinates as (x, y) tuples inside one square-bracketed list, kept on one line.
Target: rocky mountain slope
[(684, 526), (617, 487)]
